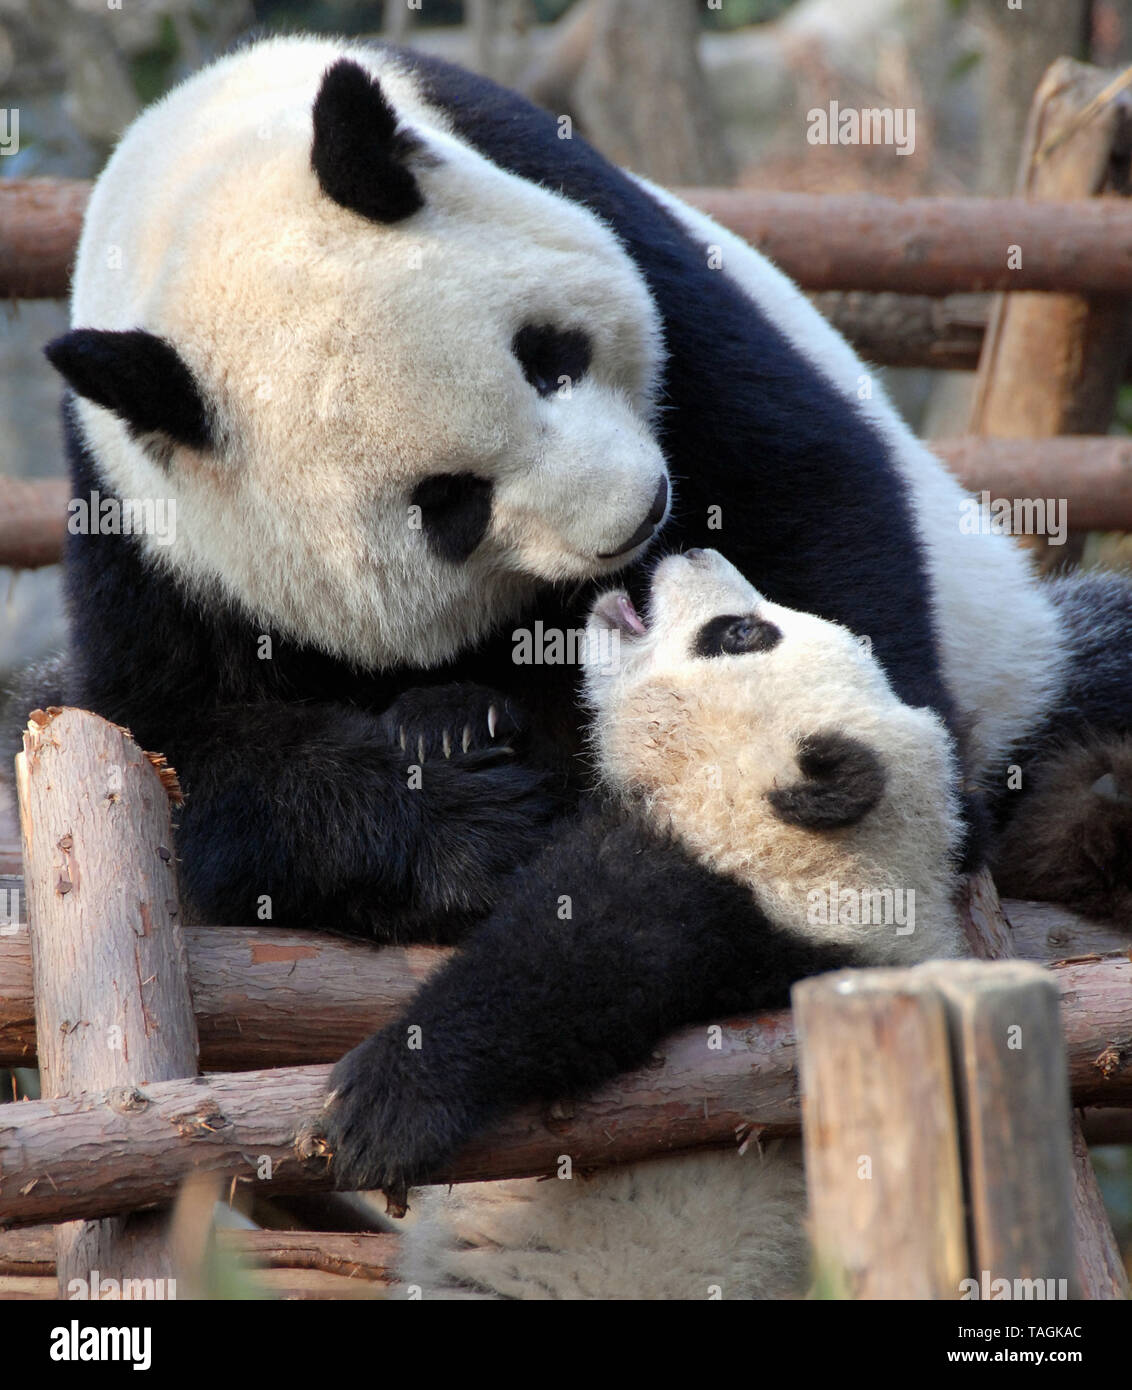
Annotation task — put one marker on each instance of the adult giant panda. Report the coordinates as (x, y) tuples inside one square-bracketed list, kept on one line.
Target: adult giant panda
[(767, 786), (418, 372)]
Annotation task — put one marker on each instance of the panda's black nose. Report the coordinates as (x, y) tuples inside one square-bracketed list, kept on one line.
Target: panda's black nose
[(647, 527)]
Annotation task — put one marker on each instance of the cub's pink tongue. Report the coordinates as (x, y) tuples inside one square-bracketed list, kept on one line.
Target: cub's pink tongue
[(617, 610)]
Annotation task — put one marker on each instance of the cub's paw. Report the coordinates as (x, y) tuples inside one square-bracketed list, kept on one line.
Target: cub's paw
[(446, 721), (378, 1127)]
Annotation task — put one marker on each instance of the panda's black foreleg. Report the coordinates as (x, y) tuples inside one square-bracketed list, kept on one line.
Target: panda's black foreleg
[(605, 943), (314, 815)]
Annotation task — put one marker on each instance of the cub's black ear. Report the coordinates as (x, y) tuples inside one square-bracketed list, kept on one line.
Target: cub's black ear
[(358, 154), (138, 376), (842, 781)]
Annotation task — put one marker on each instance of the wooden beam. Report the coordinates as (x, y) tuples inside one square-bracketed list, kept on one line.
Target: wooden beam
[(110, 972), (150, 1137), (932, 246), (1052, 364), (366, 1260), (824, 241), (1099, 1269), (1091, 475), (883, 1166), (33, 516), (279, 996), (1013, 1100), (39, 231)]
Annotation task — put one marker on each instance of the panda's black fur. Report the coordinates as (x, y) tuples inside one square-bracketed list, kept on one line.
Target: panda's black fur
[(293, 792), (293, 768), (540, 1006)]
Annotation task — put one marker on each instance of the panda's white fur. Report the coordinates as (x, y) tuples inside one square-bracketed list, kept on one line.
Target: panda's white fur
[(385, 349), (1000, 642), (388, 349), (700, 743), (697, 743)]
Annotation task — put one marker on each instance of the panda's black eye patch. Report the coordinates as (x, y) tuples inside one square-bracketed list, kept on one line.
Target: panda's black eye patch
[(735, 634), (455, 512), (547, 354)]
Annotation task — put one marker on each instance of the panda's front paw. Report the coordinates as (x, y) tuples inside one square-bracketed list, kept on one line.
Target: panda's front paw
[(446, 721), (384, 1126)]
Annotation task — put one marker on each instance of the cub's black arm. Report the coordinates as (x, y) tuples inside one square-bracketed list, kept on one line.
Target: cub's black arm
[(605, 943)]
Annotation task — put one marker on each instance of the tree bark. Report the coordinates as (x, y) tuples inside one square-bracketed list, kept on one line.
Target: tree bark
[(114, 1151), (825, 242), (110, 969), (1052, 364), (1100, 1271), (275, 996)]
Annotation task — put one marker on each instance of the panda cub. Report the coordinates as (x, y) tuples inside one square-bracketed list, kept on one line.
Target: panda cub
[(716, 707), (769, 744)]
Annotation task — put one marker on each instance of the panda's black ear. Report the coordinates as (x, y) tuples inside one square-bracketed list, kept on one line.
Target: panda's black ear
[(358, 154), (842, 780), (137, 375)]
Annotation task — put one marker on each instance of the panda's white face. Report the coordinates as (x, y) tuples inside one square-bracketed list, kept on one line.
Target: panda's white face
[(721, 658), (412, 421), (770, 742)]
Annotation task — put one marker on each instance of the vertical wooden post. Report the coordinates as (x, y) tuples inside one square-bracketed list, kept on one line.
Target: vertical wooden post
[(110, 969), (1053, 363), (1012, 1089), (880, 1133), (920, 1088), (1099, 1268)]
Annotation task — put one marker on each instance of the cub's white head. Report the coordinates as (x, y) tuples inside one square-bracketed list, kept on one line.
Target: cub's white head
[(390, 387), (772, 744)]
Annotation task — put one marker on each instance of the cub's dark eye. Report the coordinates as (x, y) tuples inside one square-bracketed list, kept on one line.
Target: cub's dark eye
[(731, 635), (547, 355)]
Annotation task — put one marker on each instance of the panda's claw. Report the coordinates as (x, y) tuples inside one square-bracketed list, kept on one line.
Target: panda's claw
[(401, 737), (492, 721), (420, 748), (446, 742), (466, 741)]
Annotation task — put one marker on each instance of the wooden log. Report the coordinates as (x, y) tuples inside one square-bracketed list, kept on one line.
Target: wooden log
[(909, 330), (243, 1126), (109, 967), (367, 1258), (1099, 1269), (1013, 1097), (264, 996), (39, 230), (22, 1289), (33, 515), (277, 996), (883, 1168), (824, 241), (1052, 364), (1104, 1125), (1091, 475), (931, 246)]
